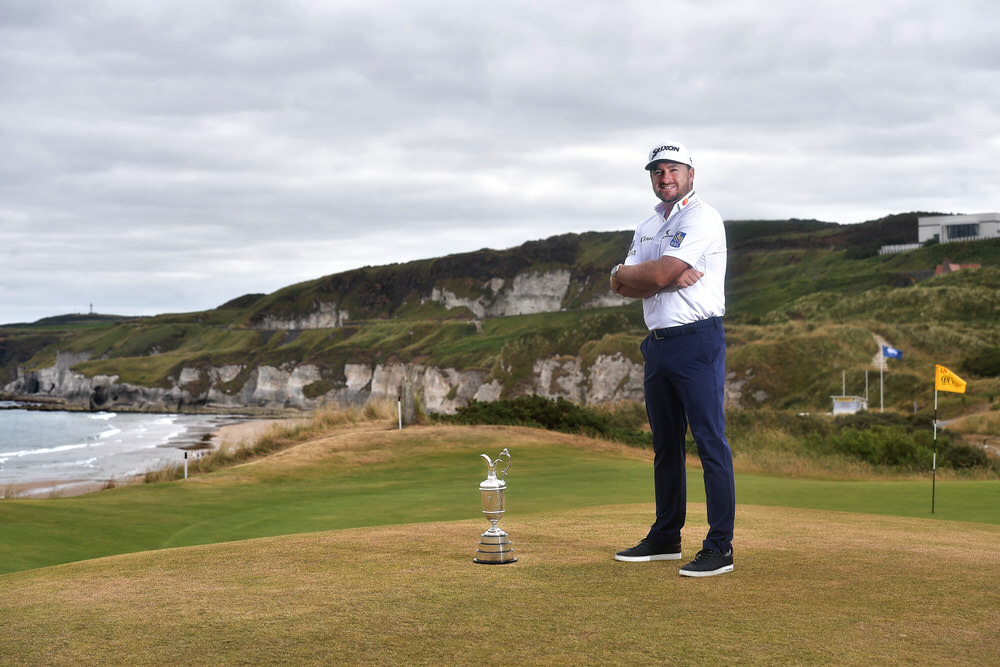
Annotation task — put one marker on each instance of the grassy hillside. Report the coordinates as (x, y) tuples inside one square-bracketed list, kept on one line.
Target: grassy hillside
[(805, 302)]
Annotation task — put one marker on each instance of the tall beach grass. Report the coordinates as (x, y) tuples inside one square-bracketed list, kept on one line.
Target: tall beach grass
[(278, 436)]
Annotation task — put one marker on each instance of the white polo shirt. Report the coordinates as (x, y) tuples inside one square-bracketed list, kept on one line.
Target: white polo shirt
[(694, 234)]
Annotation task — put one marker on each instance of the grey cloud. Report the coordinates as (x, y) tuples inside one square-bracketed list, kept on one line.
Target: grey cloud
[(174, 155)]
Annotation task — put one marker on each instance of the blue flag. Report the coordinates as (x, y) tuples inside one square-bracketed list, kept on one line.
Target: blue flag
[(891, 352)]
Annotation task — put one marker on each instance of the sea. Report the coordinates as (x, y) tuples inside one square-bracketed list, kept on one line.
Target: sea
[(65, 448)]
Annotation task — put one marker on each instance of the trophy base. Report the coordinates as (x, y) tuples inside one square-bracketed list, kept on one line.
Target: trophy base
[(494, 549)]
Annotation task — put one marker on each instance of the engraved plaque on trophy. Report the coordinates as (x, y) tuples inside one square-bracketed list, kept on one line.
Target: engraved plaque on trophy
[(494, 544)]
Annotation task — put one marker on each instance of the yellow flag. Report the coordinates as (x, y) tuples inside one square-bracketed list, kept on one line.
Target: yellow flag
[(945, 380)]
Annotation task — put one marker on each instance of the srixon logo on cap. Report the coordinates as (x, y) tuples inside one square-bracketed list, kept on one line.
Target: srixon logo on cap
[(659, 149)]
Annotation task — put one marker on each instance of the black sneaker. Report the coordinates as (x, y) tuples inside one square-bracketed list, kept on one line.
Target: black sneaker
[(647, 551), (708, 563)]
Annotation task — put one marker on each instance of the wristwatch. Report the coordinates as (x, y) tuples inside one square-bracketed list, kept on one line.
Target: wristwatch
[(614, 270)]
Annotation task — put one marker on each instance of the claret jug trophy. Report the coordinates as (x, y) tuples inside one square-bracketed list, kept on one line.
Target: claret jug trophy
[(494, 544)]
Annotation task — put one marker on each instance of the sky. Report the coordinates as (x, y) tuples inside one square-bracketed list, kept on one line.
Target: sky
[(163, 157)]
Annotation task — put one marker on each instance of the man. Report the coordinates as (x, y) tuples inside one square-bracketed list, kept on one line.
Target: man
[(677, 266)]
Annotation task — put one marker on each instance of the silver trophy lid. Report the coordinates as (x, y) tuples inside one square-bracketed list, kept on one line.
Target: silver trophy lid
[(492, 481)]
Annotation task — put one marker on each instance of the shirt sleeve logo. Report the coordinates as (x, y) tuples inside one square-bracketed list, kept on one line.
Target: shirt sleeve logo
[(677, 240)]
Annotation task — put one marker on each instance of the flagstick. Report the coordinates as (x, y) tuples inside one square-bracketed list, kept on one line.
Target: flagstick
[(934, 464), (881, 391)]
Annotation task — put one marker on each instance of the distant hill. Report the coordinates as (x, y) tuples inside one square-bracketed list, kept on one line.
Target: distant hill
[(71, 320), (757, 235), (805, 300)]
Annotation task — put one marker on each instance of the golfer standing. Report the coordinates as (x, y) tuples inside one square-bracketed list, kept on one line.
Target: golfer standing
[(677, 266)]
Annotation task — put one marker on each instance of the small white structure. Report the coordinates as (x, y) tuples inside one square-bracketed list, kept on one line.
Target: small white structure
[(948, 228), (848, 405)]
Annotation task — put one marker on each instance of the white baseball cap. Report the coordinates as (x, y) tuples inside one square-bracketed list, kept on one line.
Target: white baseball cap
[(669, 151)]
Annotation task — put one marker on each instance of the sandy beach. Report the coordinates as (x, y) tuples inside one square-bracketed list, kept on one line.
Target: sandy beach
[(238, 434), (246, 433)]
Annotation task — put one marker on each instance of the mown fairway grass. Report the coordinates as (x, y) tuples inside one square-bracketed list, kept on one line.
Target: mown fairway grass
[(370, 474), (356, 548), (810, 587)]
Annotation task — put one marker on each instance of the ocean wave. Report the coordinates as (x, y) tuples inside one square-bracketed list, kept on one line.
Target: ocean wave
[(95, 446), (43, 450)]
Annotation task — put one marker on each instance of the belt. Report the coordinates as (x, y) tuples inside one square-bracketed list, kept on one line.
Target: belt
[(685, 329)]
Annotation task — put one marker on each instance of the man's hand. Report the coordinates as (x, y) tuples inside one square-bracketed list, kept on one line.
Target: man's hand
[(687, 278)]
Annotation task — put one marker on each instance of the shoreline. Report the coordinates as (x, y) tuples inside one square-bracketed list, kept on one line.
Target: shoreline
[(235, 434)]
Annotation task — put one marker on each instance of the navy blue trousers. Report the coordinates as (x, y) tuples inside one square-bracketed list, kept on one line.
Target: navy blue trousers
[(684, 386)]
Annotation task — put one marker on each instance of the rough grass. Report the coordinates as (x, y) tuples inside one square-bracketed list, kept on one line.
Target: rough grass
[(767, 441), (810, 587), (279, 436), (987, 423)]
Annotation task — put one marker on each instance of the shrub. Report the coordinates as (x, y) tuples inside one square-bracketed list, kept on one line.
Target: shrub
[(897, 441), (881, 445), (984, 364), (961, 455), (862, 251), (316, 389), (552, 414)]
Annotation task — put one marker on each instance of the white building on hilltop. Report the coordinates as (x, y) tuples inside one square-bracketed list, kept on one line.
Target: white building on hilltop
[(948, 228)]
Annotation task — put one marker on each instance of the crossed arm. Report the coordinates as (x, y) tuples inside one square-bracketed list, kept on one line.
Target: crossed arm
[(639, 281)]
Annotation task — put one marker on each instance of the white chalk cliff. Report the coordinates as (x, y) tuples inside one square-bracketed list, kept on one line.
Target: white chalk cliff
[(439, 389)]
